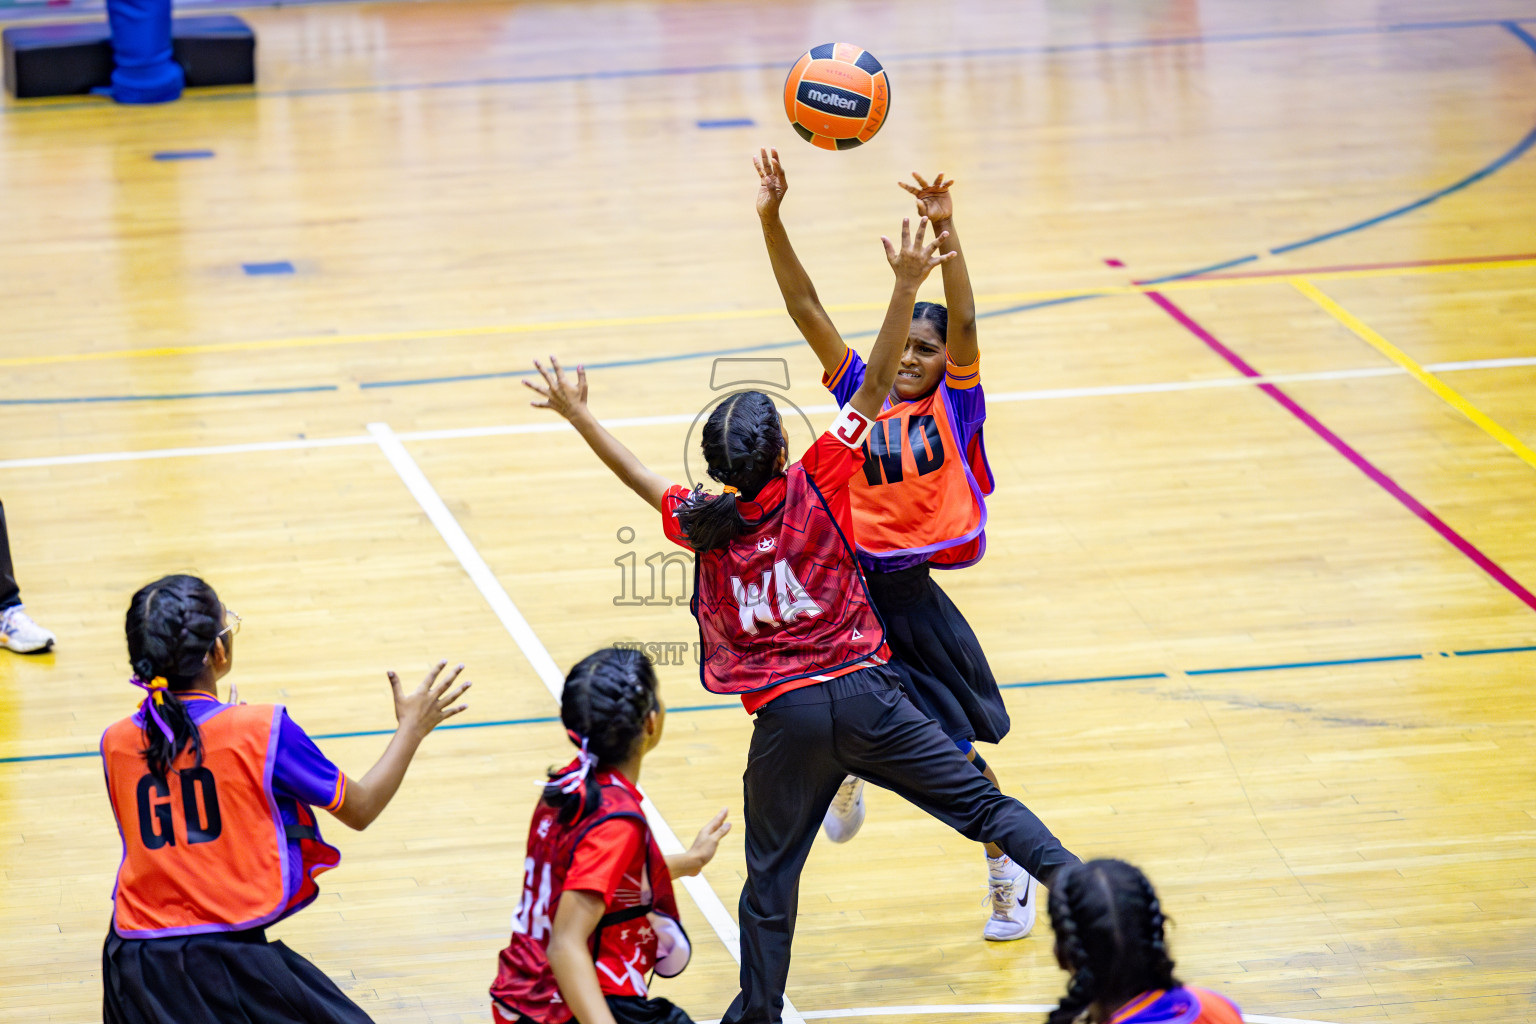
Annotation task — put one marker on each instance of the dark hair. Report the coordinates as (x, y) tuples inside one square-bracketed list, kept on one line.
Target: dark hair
[(1109, 934), (172, 625), (934, 314), (606, 699), (742, 442)]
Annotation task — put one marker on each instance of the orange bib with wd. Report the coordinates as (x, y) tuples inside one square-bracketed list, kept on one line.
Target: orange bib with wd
[(920, 493), (206, 849)]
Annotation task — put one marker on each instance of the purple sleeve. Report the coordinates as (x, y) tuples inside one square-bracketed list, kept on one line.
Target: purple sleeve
[(300, 771), (968, 406), (845, 380)]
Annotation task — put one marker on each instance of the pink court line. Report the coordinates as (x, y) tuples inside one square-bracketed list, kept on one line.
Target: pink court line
[(1345, 268), (1360, 462)]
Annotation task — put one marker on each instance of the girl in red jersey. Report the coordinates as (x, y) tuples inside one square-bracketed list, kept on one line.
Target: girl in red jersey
[(214, 802), (597, 913), (786, 623), (1109, 937), (919, 504)]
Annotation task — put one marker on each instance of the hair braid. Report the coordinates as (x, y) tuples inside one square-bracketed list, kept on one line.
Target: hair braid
[(742, 441), (1070, 950), (1161, 962), (172, 626), (604, 704)]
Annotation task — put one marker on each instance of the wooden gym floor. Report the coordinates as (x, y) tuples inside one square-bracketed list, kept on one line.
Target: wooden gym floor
[(1274, 640)]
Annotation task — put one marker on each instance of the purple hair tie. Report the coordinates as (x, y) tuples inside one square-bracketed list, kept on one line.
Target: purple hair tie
[(155, 688)]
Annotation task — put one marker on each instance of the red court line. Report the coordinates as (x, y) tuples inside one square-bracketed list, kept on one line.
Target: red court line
[(1360, 462), (1347, 267)]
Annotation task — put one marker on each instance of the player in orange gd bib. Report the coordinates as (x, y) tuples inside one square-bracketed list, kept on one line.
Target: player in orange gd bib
[(1109, 936), (214, 802), (598, 913), (786, 623), (918, 505)]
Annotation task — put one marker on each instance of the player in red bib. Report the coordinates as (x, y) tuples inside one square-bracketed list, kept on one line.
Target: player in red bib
[(1109, 936), (918, 505), (786, 623), (597, 913), (214, 802)]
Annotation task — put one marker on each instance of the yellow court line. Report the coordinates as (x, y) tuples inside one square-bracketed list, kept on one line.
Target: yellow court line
[(426, 334), (1446, 393)]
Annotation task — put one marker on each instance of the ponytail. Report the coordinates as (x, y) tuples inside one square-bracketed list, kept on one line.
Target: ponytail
[(606, 699), (743, 439), (171, 627)]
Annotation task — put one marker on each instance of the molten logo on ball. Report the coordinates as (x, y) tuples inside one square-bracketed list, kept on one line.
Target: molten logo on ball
[(837, 96)]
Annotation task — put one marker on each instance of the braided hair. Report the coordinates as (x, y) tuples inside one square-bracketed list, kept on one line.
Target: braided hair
[(1109, 934), (607, 697), (743, 440), (172, 626), (935, 314)]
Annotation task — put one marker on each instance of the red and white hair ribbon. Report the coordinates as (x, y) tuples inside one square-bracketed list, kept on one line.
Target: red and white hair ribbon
[(575, 775)]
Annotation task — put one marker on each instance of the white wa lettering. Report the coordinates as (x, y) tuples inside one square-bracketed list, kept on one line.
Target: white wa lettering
[(752, 599)]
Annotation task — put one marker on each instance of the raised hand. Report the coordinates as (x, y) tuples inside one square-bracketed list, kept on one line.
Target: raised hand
[(428, 706), (559, 394), (933, 201), (913, 262), (772, 185)]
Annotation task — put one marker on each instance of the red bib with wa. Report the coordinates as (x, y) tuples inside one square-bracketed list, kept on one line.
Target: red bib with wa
[(785, 600), (624, 944)]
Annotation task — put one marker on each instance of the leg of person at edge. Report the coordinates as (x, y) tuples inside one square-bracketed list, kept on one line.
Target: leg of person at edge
[(786, 623), (17, 630), (920, 502)]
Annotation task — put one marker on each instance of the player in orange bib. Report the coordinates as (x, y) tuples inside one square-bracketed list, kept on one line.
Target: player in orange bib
[(920, 503), (1109, 937), (214, 803)]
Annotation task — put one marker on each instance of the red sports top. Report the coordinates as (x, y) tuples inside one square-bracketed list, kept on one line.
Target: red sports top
[(611, 853), (1178, 1006), (784, 605), (206, 849)]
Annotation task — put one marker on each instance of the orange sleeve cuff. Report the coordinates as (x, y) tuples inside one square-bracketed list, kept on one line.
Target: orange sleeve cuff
[(962, 377), (830, 380), (341, 793)]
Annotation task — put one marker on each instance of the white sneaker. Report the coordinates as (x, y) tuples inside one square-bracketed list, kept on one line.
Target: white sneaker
[(1012, 894), (20, 634), (846, 815)]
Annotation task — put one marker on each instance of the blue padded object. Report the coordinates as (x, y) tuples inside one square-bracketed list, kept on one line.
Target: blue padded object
[(141, 46)]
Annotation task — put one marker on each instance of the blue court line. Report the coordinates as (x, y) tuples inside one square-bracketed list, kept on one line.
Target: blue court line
[(1203, 270), (184, 154), (275, 267), (1091, 679), (1302, 664), (548, 719), (729, 122), (172, 397), (710, 69)]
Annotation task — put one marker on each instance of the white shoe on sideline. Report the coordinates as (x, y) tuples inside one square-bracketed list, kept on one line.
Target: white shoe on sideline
[(1012, 892), (20, 634), (846, 815)]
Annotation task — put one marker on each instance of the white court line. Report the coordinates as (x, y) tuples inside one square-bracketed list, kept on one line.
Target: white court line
[(543, 665), (555, 426), (984, 1008)]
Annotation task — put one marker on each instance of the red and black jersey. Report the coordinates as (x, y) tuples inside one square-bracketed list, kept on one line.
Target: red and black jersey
[(784, 604), (612, 850)]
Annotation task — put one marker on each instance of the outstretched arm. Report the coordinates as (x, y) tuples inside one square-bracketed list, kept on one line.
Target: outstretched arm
[(911, 264), (418, 712), (570, 401), (794, 283), (935, 203)]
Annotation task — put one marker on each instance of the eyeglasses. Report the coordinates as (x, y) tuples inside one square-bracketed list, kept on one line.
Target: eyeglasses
[(233, 628)]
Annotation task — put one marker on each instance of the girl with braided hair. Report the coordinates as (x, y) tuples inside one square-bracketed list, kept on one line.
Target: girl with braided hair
[(919, 505), (215, 802), (786, 623), (597, 913), (1109, 937)]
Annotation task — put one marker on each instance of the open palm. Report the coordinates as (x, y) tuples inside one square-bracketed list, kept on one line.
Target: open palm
[(933, 200)]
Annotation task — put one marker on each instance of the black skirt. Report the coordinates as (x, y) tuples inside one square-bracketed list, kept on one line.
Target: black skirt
[(937, 656), (218, 978)]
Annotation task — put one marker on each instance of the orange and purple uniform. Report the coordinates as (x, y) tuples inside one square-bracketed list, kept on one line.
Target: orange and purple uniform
[(226, 846), (1178, 1006), (922, 495)]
